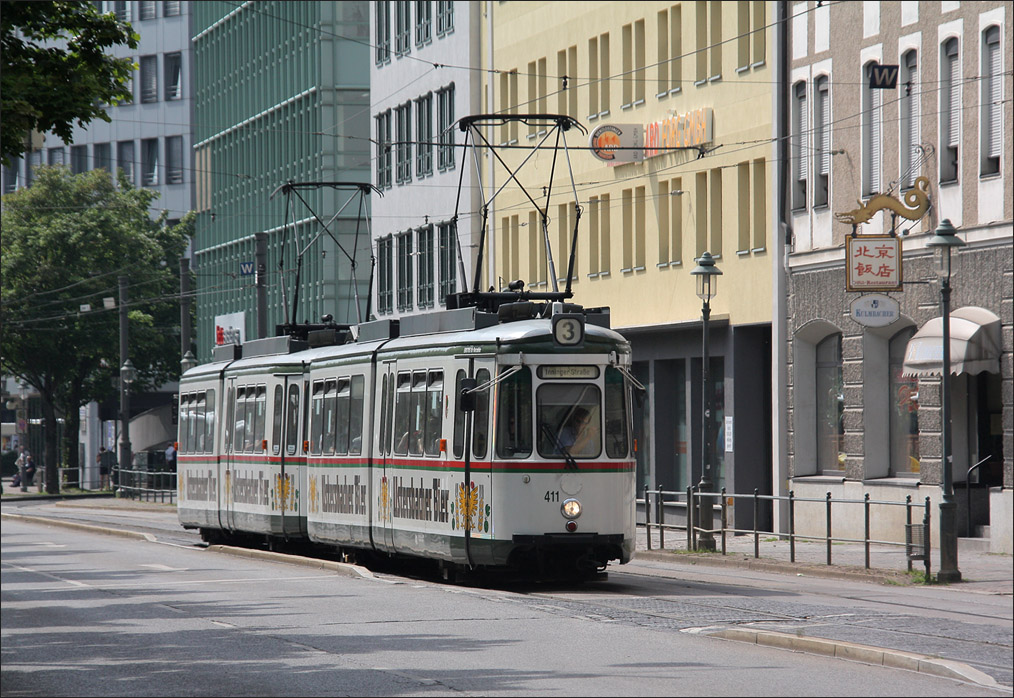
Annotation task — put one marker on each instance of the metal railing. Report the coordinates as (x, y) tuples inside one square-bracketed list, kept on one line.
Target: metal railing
[(145, 485), (916, 535)]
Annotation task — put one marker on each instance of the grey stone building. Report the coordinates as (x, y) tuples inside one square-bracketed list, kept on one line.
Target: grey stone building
[(863, 401)]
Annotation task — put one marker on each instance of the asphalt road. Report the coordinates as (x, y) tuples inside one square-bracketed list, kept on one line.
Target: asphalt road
[(656, 602)]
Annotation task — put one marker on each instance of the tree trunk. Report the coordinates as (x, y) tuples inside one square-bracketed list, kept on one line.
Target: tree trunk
[(71, 427), (51, 450)]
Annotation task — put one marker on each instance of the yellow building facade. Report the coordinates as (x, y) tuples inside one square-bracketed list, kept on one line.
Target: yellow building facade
[(696, 80)]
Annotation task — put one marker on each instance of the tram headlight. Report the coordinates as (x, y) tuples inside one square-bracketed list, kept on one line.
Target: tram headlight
[(571, 508)]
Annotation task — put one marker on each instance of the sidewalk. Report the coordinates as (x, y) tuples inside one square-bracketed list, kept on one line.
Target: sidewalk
[(981, 572)]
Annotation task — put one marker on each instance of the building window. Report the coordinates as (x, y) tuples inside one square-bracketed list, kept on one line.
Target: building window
[(871, 133), (801, 150), (670, 49), (566, 68), (830, 403), (822, 141), (11, 176), (384, 149), (424, 135), (598, 77), (125, 159), (424, 240), (405, 271), (445, 119), (904, 400), (445, 17), (760, 209), (146, 9), (171, 8), (509, 105), (54, 156), (448, 261), (709, 43), (423, 22), (173, 63), (633, 64), (717, 209), (598, 241), (992, 102), (385, 282), (149, 162), (383, 29), (121, 9), (34, 160), (102, 157), (149, 79), (909, 122), (402, 31), (950, 110), (403, 159), (78, 159), (174, 160)]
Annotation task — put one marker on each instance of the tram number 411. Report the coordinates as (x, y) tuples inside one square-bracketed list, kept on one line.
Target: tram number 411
[(552, 496)]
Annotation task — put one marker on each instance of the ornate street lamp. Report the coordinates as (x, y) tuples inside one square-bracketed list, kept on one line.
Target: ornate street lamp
[(707, 287), (128, 374), (943, 242)]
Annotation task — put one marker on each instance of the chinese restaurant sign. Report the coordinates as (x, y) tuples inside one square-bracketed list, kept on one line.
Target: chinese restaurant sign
[(873, 263)]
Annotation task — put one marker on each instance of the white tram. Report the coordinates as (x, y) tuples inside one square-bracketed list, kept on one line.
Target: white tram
[(480, 440)]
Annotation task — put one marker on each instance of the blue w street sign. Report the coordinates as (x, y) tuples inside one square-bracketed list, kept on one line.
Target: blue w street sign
[(246, 268), (883, 77)]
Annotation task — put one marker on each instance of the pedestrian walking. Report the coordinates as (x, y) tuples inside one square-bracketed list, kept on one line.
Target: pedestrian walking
[(21, 462), (105, 460), (170, 456)]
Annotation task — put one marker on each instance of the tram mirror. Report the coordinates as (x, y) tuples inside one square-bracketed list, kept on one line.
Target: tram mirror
[(466, 398)]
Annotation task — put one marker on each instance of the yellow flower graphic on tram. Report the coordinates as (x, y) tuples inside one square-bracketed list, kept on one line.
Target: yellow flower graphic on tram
[(469, 510), (384, 501), (314, 506)]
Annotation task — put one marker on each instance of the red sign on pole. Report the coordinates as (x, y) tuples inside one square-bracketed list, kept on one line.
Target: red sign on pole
[(873, 263)]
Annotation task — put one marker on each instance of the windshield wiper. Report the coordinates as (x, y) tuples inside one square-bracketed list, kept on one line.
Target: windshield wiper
[(571, 463)]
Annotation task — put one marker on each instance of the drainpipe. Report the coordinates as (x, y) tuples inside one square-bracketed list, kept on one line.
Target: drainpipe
[(781, 240)]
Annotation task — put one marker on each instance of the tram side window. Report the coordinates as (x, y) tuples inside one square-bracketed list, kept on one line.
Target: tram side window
[(292, 421), (569, 420), (327, 423), (417, 424), (356, 416), (434, 405), (480, 423), (197, 416), (209, 423), (459, 418), (342, 417), (316, 417), (277, 405), (616, 414), (514, 416), (230, 411), (240, 424), (260, 417), (249, 418), (385, 419), (402, 407), (184, 420)]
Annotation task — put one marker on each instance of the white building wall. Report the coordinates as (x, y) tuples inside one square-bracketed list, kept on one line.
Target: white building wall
[(431, 199)]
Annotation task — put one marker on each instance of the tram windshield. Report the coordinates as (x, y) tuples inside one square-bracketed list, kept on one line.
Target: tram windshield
[(569, 420)]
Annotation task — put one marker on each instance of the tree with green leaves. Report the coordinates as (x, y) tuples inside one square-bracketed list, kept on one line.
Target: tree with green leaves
[(66, 240), (55, 69)]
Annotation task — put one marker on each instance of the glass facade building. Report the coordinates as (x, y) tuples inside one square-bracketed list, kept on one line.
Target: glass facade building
[(282, 96)]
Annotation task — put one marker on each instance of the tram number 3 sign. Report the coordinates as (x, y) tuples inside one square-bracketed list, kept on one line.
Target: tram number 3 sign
[(873, 263), (568, 329)]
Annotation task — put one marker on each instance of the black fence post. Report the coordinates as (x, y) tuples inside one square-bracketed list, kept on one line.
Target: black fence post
[(792, 526), (756, 534), (866, 540), (908, 523), (691, 538), (661, 519), (725, 519), (828, 528), (926, 537), (647, 516)]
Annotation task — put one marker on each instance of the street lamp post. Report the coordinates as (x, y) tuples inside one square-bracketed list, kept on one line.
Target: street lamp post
[(707, 287), (127, 376), (943, 241)]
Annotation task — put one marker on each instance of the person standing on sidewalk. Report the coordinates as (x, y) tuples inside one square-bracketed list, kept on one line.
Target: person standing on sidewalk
[(22, 463), (105, 461)]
